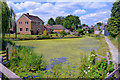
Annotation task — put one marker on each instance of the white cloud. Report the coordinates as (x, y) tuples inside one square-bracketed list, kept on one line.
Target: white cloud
[(92, 18), (79, 11), (93, 5), (47, 10)]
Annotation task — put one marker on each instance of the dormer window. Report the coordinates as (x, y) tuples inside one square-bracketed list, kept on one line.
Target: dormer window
[(40, 23), (20, 22), (26, 22)]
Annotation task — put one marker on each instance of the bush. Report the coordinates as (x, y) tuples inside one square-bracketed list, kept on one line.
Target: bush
[(80, 31), (45, 33), (25, 61), (90, 31), (63, 33), (68, 33), (45, 37)]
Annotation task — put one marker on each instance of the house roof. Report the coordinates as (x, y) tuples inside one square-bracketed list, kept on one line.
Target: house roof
[(56, 27), (33, 18)]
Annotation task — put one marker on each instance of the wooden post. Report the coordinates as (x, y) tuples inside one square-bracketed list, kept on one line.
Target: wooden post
[(7, 54), (0, 68)]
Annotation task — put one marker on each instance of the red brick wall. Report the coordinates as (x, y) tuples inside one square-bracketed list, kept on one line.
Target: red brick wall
[(35, 27), (57, 30), (23, 19)]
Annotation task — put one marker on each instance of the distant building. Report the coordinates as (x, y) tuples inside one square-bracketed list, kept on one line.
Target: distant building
[(56, 28), (29, 24), (99, 29)]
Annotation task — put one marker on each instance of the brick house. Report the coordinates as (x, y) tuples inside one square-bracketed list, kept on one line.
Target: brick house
[(29, 24), (56, 28)]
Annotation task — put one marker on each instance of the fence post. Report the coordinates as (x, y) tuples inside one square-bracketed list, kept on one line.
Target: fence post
[(0, 68), (7, 54)]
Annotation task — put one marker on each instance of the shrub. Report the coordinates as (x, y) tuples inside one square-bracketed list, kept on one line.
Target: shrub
[(63, 33), (45, 33), (80, 31), (90, 31)]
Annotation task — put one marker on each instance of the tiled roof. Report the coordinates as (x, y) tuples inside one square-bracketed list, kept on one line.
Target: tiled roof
[(56, 27), (33, 18)]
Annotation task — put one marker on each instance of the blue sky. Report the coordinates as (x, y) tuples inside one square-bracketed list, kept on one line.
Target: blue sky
[(88, 12)]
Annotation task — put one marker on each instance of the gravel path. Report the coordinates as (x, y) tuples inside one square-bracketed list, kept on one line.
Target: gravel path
[(113, 50)]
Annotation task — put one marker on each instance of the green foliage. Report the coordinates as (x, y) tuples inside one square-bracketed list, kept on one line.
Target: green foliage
[(45, 33), (59, 20), (90, 31), (51, 31), (63, 33), (51, 21), (80, 31), (71, 21), (95, 70), (25, 61), (99, 24), (8, 18), (113, 24)]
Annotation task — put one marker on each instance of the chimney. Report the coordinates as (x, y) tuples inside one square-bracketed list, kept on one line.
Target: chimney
[(27, 13)]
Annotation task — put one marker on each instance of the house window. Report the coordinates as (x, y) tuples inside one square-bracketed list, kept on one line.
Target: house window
[(26, 29), (20, 29), (20, 22), (26, 22), (40, 23), (36, 23)]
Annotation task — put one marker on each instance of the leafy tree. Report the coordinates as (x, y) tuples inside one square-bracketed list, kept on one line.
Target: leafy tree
[(59, 20), (91, 31), (113, 24), (71, 21), (80, 31), (8, 19), (5, 18), (99, 24), (51, 21)]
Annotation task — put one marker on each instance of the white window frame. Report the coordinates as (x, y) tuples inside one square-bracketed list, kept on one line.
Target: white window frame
[(26, 28), (20, 28), (20, 22), (26, 22)]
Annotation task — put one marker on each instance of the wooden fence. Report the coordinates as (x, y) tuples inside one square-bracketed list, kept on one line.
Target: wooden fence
[(5, 55), (4, 70)]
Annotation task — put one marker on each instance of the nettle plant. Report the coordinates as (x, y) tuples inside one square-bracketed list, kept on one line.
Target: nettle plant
[(95, 69)]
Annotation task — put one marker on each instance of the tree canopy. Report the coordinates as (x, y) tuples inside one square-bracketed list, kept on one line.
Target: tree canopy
[(8, 19), (71, 22), (51, 21), (59, 20), (113, 24)]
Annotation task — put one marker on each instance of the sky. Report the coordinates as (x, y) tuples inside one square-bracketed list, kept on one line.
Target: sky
[(89, 12)]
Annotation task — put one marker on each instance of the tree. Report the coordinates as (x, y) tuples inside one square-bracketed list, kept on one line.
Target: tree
[(59, 20), (113, 24), (99, 24), (51, 21), (71, 21), (8, 18), (80, 31), (90, 31), (5, 18)]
